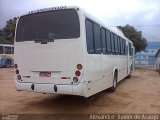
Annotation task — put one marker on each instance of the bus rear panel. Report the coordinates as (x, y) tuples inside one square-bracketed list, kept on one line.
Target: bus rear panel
[(49, 52)]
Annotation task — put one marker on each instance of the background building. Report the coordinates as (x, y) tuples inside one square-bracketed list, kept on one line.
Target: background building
[(147, 57)]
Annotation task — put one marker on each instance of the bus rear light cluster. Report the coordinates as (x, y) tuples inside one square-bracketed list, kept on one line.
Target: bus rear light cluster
[(77, 73), (17, 72)]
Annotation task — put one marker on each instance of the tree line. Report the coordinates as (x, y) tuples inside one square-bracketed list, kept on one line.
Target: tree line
[(8, 32)]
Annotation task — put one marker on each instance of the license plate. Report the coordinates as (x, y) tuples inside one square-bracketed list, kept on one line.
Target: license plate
[(45, 74)]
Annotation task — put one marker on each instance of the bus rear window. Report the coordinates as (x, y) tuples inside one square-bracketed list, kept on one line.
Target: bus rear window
[(57, 24)]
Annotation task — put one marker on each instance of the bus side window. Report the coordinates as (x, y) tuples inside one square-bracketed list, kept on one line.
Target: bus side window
[(121, 44), (130, 49), (108, 39), (125, 50), (123, 47), (1, 50), (103, 38), (116, 44), (89, 37), (97, 39), (112, 43)]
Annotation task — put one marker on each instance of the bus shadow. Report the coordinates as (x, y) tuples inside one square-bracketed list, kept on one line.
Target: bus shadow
[(69, 104)]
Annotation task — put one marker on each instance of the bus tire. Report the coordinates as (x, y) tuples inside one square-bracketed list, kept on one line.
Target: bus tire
[(157, 68), (129, 76), (7, 63), (113, 88)]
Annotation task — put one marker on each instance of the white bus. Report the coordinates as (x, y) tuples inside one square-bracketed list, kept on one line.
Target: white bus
[(158, 61), (64, 50), (6, 55)]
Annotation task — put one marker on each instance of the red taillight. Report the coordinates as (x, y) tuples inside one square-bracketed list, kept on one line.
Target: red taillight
[(17, 72), (15, 66), (79, 66), (77, 73)]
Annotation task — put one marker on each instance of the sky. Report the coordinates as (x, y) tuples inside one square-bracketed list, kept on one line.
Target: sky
[(144, 15)]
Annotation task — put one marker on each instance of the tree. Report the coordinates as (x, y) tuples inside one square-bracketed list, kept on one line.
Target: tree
[(135, 36), (8, 32)]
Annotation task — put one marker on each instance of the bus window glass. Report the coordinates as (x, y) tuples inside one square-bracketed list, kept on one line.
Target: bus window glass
[(121, 44), (103, 38), (108, 41), (112, 42), (89, 36), (57, 24), (116, 44), (130, 49), (97, 38), (124, 47)]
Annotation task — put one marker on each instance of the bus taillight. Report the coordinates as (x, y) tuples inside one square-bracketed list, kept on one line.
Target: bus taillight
[(77, 73), (17, 72)]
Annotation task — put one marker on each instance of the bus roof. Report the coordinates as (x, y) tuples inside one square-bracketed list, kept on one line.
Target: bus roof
[(115, 30)]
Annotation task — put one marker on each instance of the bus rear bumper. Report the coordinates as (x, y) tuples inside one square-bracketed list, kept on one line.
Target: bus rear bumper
[(51, 88)]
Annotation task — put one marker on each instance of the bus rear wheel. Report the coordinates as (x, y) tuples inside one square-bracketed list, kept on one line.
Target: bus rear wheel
[(129, 76), (113, 88)]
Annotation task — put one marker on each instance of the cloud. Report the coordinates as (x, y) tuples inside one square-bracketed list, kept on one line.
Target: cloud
[(112, 12)]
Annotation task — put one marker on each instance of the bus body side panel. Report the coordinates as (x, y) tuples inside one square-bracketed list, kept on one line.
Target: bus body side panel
[(105, 80), (99, 70), (93, 73), (110, 62)]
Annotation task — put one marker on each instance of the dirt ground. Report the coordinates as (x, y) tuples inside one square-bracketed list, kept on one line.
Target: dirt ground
[(140, 94)]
